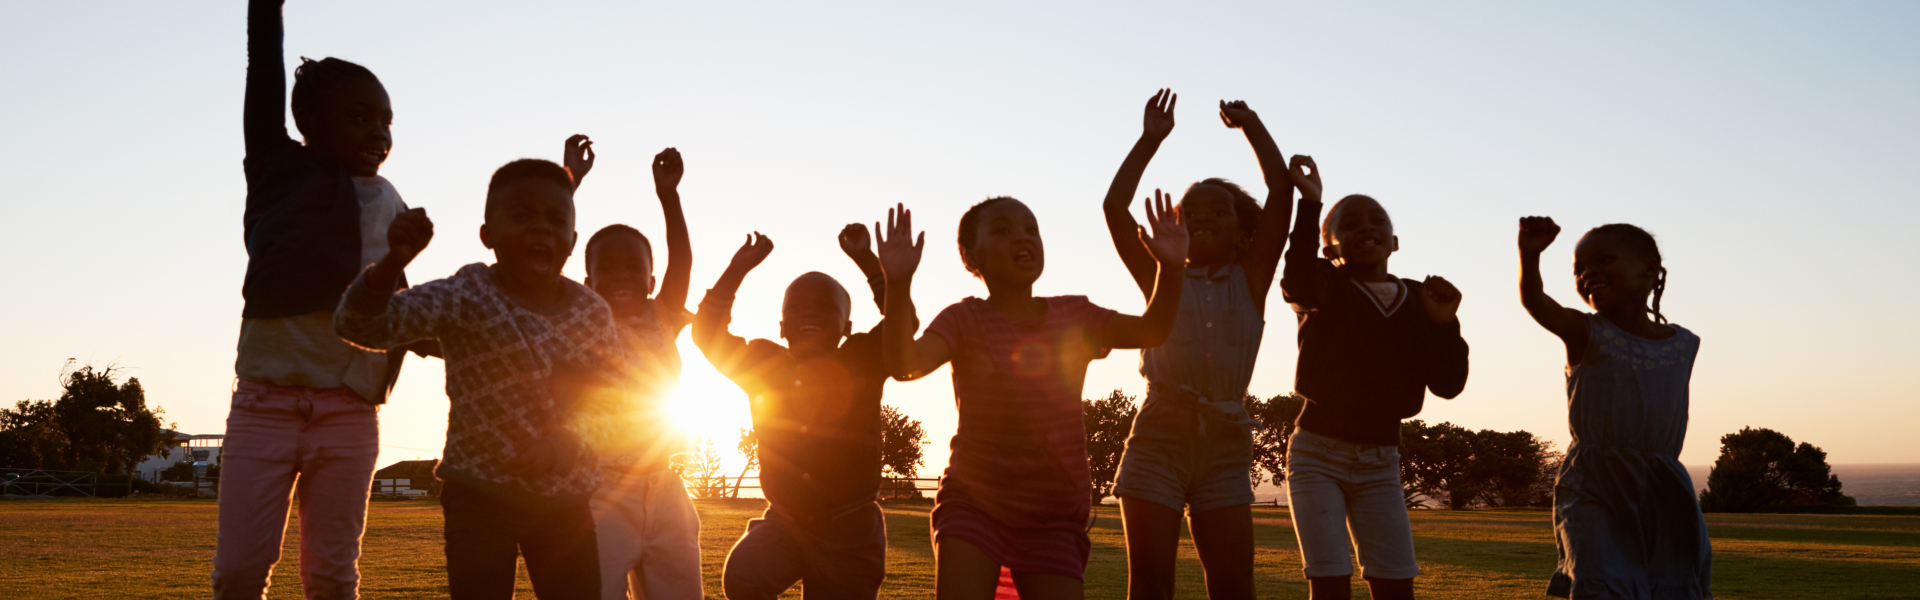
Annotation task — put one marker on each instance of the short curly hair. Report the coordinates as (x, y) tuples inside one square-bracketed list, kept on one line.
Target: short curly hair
[(527, 168)]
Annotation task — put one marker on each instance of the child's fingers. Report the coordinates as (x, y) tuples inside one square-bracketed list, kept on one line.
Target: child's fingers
[(919, 243)]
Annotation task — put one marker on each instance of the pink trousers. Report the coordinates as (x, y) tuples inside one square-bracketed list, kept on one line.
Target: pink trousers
[(287, 442)]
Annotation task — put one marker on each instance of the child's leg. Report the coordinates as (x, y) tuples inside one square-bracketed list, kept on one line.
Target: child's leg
[(670, 563), (1224, 539), (1381, 531), (962, 571), (850, 560), (562, 556), (258, 466), (338, 448), (765, 562), (1153, 543), (1316, 470), (1047, 586), (482, 549), (619, 526)]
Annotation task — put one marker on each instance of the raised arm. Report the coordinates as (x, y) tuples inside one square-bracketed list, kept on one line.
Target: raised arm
[(1536, 234), (1302, 280), (854, 242), (716, 310), (1168, 246), (1263, 252), (1120, 223), (371, 315), (906, 358), (578, 158), (667, 170), (264, 112)]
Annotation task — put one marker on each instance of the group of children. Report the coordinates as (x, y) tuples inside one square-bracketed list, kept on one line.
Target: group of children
[(558, 451)]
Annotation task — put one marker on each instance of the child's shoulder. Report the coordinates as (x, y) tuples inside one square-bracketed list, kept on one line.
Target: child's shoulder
[(1073, 305)]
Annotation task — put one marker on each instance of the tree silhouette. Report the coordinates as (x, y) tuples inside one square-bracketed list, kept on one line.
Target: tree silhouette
[(1108, 421), (96, 425), (1761, 470), (749, 447), (1461, 468), (1276, 417)]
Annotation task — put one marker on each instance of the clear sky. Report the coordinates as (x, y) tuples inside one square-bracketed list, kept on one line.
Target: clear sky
[(1770, 146)]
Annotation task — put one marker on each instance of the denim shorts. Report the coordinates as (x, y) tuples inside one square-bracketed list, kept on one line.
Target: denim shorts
[(1340, 491), (1179, 465)]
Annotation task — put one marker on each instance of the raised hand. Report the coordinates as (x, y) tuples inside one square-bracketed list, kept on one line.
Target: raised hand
[(667, 170), (1159, 118), (1441, 298), (1536, 233), (1236, 114), (1168, 243), (408, 235), (899, 249), (1306, 177), (853, 239), (578, 157), (752, 253)]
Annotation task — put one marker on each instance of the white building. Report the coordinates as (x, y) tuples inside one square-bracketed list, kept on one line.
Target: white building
[(202, 450)]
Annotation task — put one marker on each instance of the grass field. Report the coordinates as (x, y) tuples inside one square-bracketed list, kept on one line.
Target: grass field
[(161, 549)]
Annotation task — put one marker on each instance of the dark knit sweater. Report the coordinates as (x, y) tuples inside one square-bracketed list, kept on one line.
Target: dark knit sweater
[(1362, 368)]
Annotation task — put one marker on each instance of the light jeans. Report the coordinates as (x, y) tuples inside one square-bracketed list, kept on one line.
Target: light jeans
[(314, 444), (649, 537), (1341, 490)]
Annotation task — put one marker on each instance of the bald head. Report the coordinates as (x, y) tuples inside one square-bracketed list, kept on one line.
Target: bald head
[(816, 313), (817, 287)]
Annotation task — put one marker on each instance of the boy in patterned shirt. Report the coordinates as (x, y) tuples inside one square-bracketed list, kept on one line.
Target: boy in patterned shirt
[(522, 344)]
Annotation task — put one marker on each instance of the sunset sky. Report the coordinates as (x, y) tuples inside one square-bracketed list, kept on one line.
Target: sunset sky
[(1772, 148)]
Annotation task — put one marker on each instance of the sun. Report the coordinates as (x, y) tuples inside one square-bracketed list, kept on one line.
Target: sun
[(708, 405)]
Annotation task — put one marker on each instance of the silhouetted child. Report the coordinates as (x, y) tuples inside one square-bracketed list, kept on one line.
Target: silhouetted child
[(304, 416), (1017, 491), (1192, 443), (1625, 520), (523, 344), (647, 530), (816, 410), (1368, 356)]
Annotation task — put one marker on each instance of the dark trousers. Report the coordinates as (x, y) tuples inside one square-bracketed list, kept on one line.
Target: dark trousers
[(485, 536), (845, 557)]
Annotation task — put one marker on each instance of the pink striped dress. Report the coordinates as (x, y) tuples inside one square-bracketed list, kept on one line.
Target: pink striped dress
[(1017, 485)]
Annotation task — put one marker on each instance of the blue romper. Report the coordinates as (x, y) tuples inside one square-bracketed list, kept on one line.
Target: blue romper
[(1192, 443), (1625, 521)]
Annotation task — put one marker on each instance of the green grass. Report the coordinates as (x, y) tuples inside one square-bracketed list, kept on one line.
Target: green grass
[(162, 549)]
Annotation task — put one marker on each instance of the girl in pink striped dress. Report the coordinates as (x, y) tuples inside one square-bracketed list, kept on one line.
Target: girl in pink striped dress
[(1016, 491)]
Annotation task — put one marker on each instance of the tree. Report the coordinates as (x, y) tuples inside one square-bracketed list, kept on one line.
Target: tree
[(900, 442), (1433, 461), (1460, 468), (701, 471), (96, 425), (1276, 417), (1761, 470), (749, 447), (1108, 421)]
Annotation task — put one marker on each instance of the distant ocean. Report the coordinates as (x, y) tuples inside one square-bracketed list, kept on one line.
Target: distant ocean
[(1870, 484)]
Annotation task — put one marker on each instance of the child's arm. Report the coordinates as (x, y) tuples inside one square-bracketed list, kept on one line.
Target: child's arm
[(264, 113), (1168, 245), (1120, 223), (371, 315), (720, 346), (667, 170), (1263, 252), (578, 158), (1447, 369), (1302, 280), (1536, 234), (906, 358), (854, 242)]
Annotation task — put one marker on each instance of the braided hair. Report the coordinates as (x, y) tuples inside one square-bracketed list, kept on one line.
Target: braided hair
[(315, 80), (970, 229), (1643, 242), (1246, 209)]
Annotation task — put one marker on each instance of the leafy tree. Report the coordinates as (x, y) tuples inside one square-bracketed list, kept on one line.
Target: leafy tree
[(1433, 461), (96, 425), (749, 447), (1108, 421), (701, 471), (1761, 470), (900, 442), (1276, 417), (1461, 468)]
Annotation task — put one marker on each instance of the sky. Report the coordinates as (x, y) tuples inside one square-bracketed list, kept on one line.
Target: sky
[(1769, 146)]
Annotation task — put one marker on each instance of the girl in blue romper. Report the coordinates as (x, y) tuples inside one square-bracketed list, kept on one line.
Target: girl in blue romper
[(1625, 520)]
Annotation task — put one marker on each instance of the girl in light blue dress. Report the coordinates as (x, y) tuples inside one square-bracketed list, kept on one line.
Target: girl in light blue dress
[(1625, 521)]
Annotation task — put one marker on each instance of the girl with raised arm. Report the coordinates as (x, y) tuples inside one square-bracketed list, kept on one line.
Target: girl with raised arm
[(1192, 444), (1016, 490), (1625, 521)]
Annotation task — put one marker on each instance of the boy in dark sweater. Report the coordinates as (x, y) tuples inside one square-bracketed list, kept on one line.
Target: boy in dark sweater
[(816, 409), (1367, 359)]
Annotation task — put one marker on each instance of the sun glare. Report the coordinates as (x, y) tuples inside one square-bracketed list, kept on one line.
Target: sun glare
[(708, 405)]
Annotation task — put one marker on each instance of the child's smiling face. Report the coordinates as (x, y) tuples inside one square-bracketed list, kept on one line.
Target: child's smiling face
[(1007, 246), (352, 127), (621, 272), (530, 229), (816, 314), (1214, 235), (1361, 232), (1610, 275)]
